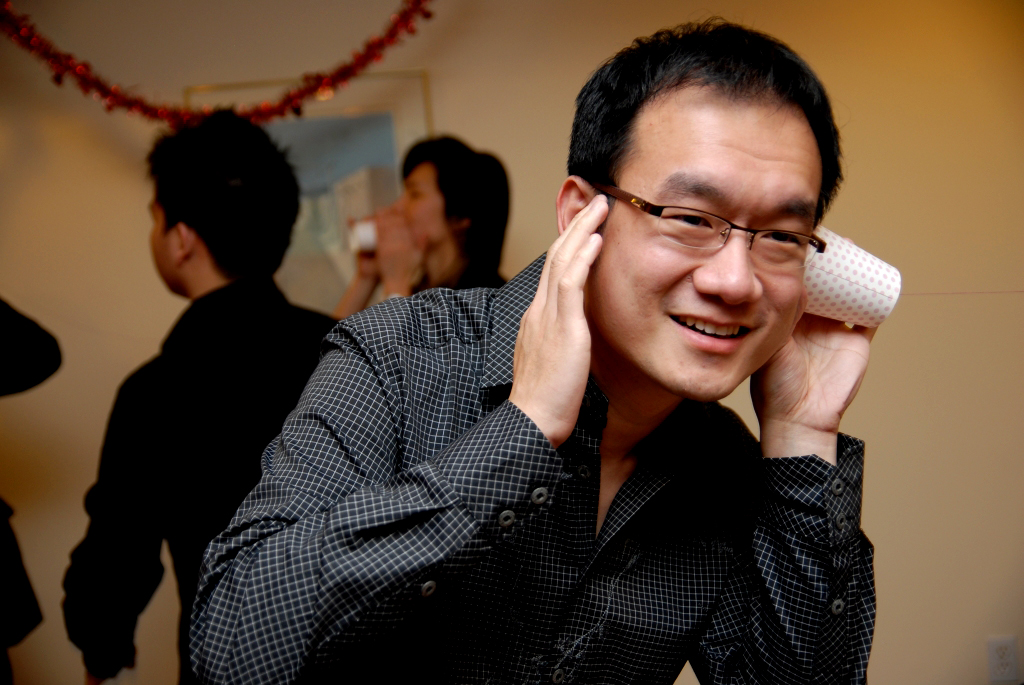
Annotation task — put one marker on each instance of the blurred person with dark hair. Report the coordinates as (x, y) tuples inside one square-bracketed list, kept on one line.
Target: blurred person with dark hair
[(30, 355), (446, 229), (183, 442)]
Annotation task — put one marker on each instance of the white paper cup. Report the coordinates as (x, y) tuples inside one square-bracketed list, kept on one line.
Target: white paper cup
[(363, 237), (849, 284)]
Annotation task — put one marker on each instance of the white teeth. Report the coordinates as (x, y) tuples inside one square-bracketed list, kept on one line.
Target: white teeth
[(711, 328)]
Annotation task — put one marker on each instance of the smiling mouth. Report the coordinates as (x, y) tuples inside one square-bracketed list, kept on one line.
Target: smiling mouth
[(710, 329)]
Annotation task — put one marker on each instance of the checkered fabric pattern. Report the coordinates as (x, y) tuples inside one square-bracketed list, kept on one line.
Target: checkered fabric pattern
[(405, 490)]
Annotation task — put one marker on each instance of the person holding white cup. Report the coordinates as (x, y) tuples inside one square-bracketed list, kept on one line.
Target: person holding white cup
[(445, 230)]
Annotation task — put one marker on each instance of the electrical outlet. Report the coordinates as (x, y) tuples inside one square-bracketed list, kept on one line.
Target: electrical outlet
[(1002, 659)]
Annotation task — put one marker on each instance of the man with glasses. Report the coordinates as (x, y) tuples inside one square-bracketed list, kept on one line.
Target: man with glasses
[(537, 484)]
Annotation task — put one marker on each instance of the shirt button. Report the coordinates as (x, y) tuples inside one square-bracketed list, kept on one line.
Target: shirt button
[(838, 606), (539, 496), (838, 487), (558, 676), (841, 521), (506, 518), (584, 472), (428, 588)]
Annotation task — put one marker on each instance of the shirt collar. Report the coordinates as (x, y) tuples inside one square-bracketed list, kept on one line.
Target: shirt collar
[(507, 308), (224, 310)]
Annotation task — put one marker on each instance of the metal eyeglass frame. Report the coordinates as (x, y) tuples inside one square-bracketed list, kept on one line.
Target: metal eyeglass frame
[(817, 243)]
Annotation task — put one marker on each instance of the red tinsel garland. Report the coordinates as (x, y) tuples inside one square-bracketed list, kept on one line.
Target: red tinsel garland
[(62, 64)]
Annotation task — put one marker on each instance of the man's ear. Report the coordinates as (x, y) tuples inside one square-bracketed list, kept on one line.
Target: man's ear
[(184, 243), (573, 196)]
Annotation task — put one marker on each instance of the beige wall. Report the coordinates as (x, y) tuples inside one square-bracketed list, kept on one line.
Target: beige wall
[(930, 98)]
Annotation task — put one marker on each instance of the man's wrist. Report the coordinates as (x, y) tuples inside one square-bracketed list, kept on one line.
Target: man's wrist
[(554, 428), (784, 439)]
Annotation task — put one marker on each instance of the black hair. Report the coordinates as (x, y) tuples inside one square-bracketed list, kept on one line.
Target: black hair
[(739, 62), (227, 180), (475, 187)]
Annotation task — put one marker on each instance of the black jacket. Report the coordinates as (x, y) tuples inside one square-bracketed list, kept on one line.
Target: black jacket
[(182, 450)]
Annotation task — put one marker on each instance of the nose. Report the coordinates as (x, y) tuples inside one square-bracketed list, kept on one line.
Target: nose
[(728, 274)]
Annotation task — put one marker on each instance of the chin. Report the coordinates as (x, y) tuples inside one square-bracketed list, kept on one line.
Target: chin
[(708, 389), (707, 394)]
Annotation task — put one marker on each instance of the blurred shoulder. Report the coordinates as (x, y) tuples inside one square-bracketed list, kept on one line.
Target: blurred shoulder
[(431, 318)]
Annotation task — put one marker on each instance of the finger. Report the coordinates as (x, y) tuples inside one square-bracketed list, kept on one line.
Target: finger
[(540, 297), (552, 257), (570, 292), (584, 222), (868, 333), (576, 239), (588, 220)]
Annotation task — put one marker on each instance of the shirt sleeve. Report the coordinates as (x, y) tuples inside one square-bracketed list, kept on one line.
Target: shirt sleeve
[(116, 568), (341, 522), (801, 607)]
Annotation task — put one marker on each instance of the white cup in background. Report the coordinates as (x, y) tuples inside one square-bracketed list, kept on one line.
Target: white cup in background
[(363, 236)]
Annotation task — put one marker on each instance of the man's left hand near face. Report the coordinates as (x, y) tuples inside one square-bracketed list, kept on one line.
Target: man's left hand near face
[(552, 354), (800, 395)]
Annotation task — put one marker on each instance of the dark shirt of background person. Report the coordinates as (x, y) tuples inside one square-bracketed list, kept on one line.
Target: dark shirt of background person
[(183, 444), (30, 356)]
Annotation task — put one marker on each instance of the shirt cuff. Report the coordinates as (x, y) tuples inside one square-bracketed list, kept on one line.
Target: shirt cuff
[(812, 499), (504, 469)]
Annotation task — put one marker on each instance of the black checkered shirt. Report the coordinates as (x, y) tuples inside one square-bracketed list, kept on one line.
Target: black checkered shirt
[(413, 523)]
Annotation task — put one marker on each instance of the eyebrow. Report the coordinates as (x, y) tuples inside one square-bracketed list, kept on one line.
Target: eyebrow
[(682, 184)]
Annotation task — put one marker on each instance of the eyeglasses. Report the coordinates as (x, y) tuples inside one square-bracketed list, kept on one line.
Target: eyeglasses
[(769, 248)]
